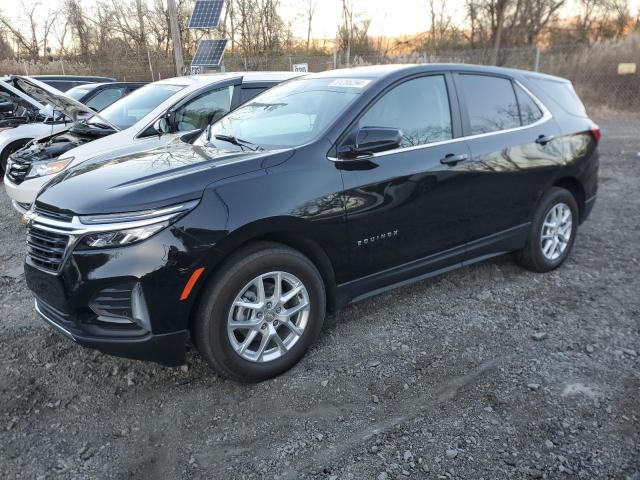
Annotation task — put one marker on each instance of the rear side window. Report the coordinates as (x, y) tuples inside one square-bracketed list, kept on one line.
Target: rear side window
[(529, 111), (419, 108), (561, 93), (491, 103), (105, 97)]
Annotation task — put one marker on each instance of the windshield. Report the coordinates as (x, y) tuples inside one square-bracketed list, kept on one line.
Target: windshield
[(78, 92), (128, 110), (287, 115)]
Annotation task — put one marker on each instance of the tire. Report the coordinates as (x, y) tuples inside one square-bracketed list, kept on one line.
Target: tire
[(8, 150), (216, 338), (542, 255)]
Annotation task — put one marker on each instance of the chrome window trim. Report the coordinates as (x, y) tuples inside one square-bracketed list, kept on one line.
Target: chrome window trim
[(546, 116)]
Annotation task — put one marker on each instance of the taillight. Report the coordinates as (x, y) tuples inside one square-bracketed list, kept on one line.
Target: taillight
[(595, 132)]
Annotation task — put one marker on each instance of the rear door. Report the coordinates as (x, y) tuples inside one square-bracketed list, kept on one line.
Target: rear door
[(515, 150), (405, 206)]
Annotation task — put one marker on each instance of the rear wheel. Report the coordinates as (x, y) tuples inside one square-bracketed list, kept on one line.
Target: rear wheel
[(260, 313), (552, 232)]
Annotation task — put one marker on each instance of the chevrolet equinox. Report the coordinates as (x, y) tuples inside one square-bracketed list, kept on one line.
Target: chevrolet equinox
[(320, 192)]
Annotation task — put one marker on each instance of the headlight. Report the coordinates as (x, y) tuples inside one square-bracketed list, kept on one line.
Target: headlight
[(120, 238), (40, 169), (120, 229)]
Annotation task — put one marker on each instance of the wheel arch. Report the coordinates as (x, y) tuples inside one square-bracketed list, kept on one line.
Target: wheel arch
[(575, 187), (9, 148), (300, 242)]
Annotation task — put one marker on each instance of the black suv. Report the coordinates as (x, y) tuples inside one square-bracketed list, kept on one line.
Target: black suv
[(319, 192)]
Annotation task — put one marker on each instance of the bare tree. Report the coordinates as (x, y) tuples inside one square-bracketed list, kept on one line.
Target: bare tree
[(37, 37), (310, 11), (498, 10)]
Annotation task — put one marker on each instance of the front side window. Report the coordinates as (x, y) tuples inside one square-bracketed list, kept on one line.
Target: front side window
[(290, 114), (129, 110), (529, 111), (491, 103), (203, 110), (419, 108)]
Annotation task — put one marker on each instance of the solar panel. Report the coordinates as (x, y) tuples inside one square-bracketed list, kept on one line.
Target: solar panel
[(209, 53), (206, 14)]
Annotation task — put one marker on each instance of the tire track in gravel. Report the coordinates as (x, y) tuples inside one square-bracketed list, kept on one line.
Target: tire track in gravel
[(260, 447)]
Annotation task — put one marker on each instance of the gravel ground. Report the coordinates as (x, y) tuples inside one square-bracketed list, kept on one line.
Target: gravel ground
[(487, 372)]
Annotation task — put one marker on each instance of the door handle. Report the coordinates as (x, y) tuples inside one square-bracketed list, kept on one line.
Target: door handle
[(544, 139), (453, 159)]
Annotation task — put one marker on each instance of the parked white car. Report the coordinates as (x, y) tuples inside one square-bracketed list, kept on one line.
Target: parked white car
[(29, 119), (150, 117)]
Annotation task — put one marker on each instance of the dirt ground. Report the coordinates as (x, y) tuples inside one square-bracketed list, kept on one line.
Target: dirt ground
[(484, 373)]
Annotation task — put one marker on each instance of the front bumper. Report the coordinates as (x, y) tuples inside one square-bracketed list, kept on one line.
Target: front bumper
[(123, 301), (167, 349), (27, 191)]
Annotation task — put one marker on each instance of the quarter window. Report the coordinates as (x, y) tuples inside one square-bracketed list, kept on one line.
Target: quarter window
[(529, 111), (491, 103), (419, 108)]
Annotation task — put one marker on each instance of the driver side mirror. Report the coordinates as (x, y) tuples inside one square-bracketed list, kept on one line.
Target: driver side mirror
[(162, 126), (370, 140)]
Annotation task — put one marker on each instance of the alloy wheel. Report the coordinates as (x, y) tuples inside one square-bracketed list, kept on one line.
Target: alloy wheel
[(268, 316), (556, 231)]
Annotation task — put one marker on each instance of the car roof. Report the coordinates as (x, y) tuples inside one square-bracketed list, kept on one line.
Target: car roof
[(91, 86), (208, 78), (382, 71), (89, 78)]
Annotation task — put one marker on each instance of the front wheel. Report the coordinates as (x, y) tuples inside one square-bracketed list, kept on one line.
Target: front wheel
[(552, 232), (260, 312)]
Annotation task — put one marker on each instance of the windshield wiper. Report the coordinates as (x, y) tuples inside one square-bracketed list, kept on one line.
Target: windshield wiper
[(99, 125), (239, 142)]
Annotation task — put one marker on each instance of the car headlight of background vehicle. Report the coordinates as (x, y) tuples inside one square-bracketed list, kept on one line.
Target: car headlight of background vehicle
[(120, 229), (40, 169)]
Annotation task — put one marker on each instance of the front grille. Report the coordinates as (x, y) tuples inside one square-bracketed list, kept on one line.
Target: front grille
[(63, 217), (46, 249), (20, 163)]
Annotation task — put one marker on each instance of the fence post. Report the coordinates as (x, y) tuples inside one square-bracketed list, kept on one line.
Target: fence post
[(536, 64), (335, 58), (290, 63), (424, 57)]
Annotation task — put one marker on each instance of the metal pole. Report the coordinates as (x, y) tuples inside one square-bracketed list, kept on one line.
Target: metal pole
[(536, 64), (175, 37)]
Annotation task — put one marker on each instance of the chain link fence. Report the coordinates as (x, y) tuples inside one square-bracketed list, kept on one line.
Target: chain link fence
[(592, 69)]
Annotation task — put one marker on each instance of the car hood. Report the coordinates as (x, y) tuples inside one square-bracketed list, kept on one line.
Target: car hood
[(56, 99), (155, 178), (12, 95)]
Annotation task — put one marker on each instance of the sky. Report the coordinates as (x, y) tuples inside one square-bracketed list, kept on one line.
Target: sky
[(388, 17)]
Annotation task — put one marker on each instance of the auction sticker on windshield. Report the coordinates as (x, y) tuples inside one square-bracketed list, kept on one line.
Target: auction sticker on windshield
[(350, 82)]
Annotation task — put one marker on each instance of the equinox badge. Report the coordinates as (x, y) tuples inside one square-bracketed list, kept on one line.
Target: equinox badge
[(377, 238)]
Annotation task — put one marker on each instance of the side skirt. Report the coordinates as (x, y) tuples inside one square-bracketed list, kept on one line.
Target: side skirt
[(432, 265)]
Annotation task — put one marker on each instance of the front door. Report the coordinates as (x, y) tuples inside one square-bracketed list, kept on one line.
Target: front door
[(408, 205)]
